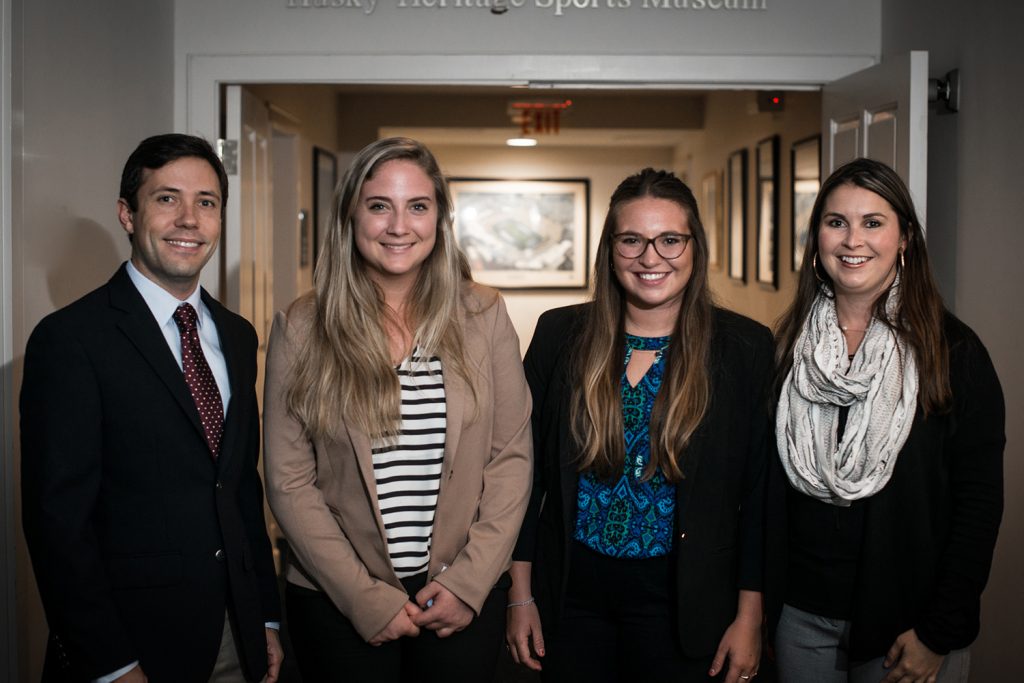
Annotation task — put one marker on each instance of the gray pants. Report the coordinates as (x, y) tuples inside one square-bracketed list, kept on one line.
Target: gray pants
[(813, 649)]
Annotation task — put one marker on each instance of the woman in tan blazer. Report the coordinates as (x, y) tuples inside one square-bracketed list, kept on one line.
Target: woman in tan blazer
[(397, 455)]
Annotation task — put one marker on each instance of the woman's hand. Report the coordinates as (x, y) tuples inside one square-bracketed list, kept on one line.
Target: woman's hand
[(447, 614), (522, 622), (741, 642), (910, 661), (522, 629), (400, 625)]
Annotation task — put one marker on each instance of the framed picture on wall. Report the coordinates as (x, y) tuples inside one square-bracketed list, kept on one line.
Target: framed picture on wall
[(806, 160), (711, 216), (524, 234), (325, 177), (768, 211), (736, 177)]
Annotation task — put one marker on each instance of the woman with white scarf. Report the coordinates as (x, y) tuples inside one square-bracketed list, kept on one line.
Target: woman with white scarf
[(890, 430)]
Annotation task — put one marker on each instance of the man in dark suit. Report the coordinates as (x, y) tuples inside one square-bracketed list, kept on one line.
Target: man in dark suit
[(143, 508)]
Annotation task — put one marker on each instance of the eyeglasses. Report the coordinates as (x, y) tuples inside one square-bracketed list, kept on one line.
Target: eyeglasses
[(668, 245)]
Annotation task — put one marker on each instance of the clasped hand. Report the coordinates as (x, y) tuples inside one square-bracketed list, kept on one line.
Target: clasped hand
[(444, 615)]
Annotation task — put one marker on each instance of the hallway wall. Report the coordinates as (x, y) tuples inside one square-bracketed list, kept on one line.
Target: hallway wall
[(733, 122), (975, 167), (88, 85)]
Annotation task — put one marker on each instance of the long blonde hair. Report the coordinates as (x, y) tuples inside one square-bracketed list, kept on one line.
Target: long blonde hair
[(686, 389), (344, 370)]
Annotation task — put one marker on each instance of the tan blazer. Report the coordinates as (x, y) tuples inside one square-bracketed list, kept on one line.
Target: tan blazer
[(324, 496)]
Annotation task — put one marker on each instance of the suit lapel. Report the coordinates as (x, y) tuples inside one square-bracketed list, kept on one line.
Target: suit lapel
[(144, 333), (363, 449), (456, 394)]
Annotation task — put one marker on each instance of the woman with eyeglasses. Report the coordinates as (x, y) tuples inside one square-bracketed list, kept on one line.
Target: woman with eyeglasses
[(641, 551), (890, 433)]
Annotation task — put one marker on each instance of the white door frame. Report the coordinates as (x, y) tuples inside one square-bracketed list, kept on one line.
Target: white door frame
[(197, 100), (8, 549)]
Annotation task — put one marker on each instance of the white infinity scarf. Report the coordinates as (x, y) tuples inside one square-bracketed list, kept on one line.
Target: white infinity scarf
[(879, 386)]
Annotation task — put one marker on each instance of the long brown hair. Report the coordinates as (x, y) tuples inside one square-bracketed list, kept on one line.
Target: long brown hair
[(344, 369), (686, 388), (918, 318)]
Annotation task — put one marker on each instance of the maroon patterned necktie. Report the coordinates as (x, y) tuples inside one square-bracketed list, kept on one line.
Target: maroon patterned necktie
[(199, 378)]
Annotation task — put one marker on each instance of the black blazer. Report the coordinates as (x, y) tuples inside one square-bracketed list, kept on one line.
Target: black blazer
[(139, 539), (719, 504), (930, 533)]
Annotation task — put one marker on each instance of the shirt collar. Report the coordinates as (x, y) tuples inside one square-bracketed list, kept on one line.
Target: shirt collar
[(161, 302)]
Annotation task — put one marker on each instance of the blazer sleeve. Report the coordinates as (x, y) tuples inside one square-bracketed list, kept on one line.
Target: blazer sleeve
[(755, 474), (506, 476), (314, 535), (975, 462), (61, 476), (539, 365)]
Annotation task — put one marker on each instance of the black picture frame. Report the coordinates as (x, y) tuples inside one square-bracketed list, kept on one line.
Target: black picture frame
[(768, 212), (524, 234), (325, 177), (736, 172), (805, 160)]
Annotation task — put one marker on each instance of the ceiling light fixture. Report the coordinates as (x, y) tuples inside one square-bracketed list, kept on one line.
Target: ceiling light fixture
[(521, 142)]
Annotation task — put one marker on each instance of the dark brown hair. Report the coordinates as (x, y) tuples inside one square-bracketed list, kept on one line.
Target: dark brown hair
[(918, 319), (686, 389)]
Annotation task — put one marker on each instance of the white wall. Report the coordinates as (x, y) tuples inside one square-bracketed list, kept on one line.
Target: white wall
[(975, 204), (785, 27), (88, 85)]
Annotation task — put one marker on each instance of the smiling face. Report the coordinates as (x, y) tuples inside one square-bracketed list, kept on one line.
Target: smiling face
[(395, 222), (651, 282), (176, 227), (859, 242)]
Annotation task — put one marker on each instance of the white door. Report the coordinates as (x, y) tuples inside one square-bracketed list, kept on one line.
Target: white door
[(248, 231), (247, 242), (881, 113)]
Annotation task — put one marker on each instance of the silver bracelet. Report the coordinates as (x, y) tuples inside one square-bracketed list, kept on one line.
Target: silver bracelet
[(524, 603)]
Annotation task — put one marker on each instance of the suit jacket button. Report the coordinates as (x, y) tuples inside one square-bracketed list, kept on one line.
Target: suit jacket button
[(219, 555), (682, 536), (219, 485)]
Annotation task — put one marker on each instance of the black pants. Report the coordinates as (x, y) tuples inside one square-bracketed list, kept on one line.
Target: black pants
[(328, 648), (618, 624)]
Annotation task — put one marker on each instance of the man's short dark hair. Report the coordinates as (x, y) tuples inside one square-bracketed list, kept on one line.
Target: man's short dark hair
[(158, 151)]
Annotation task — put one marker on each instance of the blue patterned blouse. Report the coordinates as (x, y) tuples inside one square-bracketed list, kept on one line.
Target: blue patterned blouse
[(629, 518)]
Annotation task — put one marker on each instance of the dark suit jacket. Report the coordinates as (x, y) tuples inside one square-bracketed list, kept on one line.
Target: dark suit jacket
[(719, 504), (930, 533), (140, 541)]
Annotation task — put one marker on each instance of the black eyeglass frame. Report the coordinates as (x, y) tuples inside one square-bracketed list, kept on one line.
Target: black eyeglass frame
[(648, 241)]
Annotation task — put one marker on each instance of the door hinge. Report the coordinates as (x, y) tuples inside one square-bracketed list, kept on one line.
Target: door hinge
[(227, 150)]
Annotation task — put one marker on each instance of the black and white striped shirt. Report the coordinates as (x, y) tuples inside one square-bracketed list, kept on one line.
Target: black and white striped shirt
[(408, 468)]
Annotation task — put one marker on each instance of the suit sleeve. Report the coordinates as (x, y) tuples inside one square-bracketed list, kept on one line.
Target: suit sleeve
[(975, 462), (62, 465), (253, 514), (506, 476), (320, 544)]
